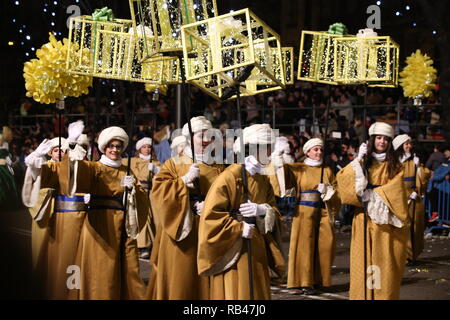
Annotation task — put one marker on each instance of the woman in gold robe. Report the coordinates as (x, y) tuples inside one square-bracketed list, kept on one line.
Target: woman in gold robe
[(232, 219), (106, 264), (415, 177), (178, 196), (57, 220), (378, 248), (145, 166), (312, 244)]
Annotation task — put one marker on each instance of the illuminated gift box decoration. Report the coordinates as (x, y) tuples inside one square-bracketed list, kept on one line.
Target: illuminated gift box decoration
[(317, 56), (367, 59), (112, 50), (231, 48), (164, 19)]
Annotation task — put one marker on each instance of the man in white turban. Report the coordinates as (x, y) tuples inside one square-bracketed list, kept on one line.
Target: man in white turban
[(54, 152)]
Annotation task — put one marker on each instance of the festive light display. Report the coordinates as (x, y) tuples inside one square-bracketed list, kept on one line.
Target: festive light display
[(366, 59), (233, 48), (418, 77), (163, 20), (46, 78)]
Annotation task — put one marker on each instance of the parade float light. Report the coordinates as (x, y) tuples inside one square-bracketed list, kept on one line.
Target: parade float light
[(162, 20), (287, 54), (366, 59), (317, 55), (113, 50), (219, 50)]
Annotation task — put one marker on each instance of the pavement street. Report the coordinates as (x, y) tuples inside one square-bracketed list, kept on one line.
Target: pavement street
[(429, 279)]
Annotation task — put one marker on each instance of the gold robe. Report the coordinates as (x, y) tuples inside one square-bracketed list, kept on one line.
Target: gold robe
[(109, 262), (222, 253), (139, 167), (416, 209), (56, 228), (385, 243), (312, 244), (174, 274)]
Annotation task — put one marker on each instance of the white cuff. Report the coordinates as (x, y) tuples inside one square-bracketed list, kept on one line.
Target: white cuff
[(360, 180), (379, 212)]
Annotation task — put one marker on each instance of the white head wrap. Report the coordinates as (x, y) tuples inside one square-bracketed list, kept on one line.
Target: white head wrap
[(177, 141), (143, 142), (399, 140), (55, 143), (312, 143), (198, 124), (112, 133), (255, 134), (381, 129)]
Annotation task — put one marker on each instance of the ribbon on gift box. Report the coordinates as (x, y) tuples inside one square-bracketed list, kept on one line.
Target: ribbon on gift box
[(337, 28), (103, 14)]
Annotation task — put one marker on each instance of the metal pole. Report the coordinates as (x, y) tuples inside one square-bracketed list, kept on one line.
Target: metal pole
[(365, 208), (178, 114)]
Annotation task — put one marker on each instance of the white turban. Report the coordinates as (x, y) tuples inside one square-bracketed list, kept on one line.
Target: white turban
[(312, 143), (83, 140), (143, 142), (198, 124), (255, 134), (55, 143), (177, 141), (399, 140), (112, 133), (381, 129)]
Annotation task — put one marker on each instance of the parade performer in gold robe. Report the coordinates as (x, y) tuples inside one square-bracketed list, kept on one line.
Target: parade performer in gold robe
[(312, 244), (225, 223), (56, 219), (145, 166), (106, 264), (415, 177), (376, 186), (178, 196)]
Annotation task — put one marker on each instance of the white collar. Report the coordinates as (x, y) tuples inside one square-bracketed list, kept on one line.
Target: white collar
[(405, 157), (110, 163), (380, 157), (145, 157), (312, 163)]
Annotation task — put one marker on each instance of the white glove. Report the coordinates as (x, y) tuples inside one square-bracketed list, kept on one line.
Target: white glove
[(251, 209), (248, 231), (281, 146), (199, 206), (75, 130), (321, 188), (416, 161), (277, 161), (87, 198), (43, 148), (413, 195), (150, 166), (252, 165), (362, 151), (192, 174), (366, 195), (128, 182)]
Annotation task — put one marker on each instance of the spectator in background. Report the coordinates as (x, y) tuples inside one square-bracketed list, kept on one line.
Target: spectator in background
[(436, 158)]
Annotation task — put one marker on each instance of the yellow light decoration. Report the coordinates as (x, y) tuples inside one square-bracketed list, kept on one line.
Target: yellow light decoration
[(316, 57), (219, 50), (114, 50), (419, 76), (164, 19), (46, 78), (373, 60), (287, 54)]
